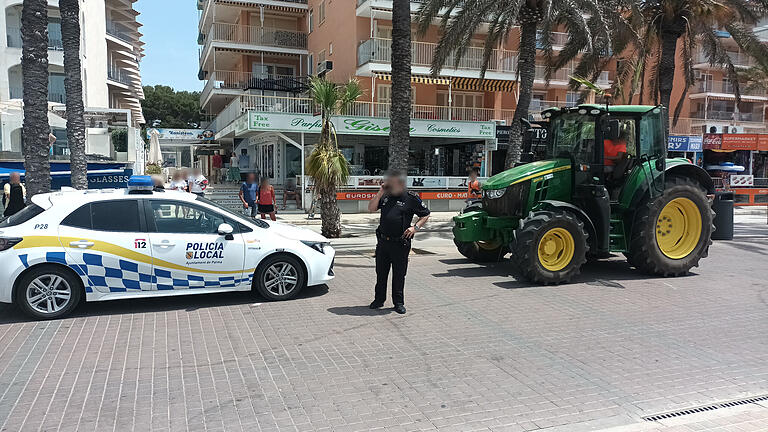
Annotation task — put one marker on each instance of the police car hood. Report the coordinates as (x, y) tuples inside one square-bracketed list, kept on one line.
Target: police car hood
[(296, 233)]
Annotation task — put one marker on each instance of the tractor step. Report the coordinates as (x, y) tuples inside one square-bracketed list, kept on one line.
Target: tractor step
[(618, 242)]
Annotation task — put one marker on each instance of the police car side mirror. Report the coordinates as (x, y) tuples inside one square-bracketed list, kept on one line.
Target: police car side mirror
[(226, 230)]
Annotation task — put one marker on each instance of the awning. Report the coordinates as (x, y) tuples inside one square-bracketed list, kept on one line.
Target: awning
[(484, 85), (422, 79)]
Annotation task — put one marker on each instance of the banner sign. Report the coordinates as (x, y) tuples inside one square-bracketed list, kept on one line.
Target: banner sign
[(742, 180), (443, 195), (739, 142), (182, 134), (713, 141), (259, 121), (367, 196), (683, 143)]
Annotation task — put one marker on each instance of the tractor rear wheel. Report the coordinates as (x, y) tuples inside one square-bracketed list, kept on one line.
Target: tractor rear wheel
[(481, 251), (672, 232), (550, 247)]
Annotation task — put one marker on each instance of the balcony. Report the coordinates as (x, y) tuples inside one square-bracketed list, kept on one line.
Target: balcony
[(300, 105), (379, 50), (118, 75), (253, 37), (725, 88), (54, 39), (57, 96), (557, 39), (739, 59), (120, 32), (241, 81), (729, 116)]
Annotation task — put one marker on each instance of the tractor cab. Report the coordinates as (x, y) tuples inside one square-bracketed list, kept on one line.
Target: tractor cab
[(604, 186)]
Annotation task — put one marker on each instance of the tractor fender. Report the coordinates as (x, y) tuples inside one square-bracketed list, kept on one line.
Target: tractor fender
[(677, 169), (589, 226)]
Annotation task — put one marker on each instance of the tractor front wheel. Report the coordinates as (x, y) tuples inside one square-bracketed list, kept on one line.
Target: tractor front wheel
[(481, 251), (672, 232), (550, 247)]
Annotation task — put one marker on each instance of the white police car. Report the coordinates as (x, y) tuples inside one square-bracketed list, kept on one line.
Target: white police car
[(130, 243)]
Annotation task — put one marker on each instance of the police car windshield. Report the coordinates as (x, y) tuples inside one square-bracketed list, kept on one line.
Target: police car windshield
[(22, 216), (238, 217)]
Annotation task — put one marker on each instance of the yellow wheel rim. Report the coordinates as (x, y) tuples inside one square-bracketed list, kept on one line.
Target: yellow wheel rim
[(678, 228), (556, 249)]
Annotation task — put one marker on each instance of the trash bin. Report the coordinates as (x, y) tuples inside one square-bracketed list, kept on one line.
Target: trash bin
[(723, 207)]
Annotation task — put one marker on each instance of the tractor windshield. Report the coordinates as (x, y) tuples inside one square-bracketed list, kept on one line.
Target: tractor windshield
[(573, 134)]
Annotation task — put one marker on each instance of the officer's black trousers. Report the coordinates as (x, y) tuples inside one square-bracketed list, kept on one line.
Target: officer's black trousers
[(391, 254)]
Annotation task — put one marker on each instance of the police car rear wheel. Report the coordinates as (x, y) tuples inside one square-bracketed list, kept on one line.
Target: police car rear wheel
[(280, 277), (48, 292)]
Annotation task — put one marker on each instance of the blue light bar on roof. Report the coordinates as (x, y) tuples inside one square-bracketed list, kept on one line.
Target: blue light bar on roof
[(140, 182)]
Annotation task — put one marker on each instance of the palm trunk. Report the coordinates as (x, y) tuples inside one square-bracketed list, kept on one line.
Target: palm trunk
[(70, 31), (331, 216), (667, 72), (526, 65), (400, 111), (34, 64)]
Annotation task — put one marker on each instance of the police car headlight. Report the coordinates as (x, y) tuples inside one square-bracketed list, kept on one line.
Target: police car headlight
[(495, 193), (7, 243), (318, 246)]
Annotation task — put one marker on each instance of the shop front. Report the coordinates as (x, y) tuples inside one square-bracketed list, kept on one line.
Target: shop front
[(739, 162), (274, 145)]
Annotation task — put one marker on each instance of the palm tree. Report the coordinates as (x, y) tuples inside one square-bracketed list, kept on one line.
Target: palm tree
[(650, 33), (582, 19), (34, 69), (400, 110), (73, 84), (326, 164)]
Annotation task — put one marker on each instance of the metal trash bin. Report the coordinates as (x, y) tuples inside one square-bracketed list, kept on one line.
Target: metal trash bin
[(723, 207)]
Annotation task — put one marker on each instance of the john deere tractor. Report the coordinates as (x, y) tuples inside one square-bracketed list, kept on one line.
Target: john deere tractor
[(605, 187)]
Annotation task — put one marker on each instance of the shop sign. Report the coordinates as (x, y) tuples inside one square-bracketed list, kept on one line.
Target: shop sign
[(713, 141), (742, 180), (443, 195), (682, 143), (762, 142), (182, 134), (259, 121), (355, 196), (739, 142)]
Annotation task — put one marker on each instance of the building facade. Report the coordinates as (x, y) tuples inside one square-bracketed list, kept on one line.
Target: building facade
[(255, 56), (110, 52)]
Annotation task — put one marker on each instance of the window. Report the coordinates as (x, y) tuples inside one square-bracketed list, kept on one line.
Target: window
[(461, 100), (177, 217), (116, 215), (321, 57), (80, 218), (22, 216), (384, 93), (311, 20), (310, 64), (321, 12), (330, 48)]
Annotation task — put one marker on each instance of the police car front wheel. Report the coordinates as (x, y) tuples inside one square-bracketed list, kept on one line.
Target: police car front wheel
[(280, 277), (48, 292)]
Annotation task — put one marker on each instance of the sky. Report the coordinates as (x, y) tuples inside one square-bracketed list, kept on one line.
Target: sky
[(170, 34)]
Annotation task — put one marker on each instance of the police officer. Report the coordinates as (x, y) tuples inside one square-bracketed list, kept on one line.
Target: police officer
[(394, 234)]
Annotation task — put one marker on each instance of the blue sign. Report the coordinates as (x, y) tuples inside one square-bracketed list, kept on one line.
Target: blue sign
[(684, 143)]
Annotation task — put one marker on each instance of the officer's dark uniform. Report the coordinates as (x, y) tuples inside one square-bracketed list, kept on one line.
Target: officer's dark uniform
[(392, 249)]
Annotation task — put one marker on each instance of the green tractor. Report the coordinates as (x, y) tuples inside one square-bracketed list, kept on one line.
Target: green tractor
[(587, 200)]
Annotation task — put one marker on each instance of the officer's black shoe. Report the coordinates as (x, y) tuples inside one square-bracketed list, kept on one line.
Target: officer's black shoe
[(376, 305), (400, 309)]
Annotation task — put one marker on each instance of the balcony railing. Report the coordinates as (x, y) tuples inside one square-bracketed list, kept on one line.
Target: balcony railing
[(737, 58), (694, 126), (254, 35), (119, 32), (563, 74), (729, 115), (422, 53), (234, 80), (14, 40), (118, 75), (558, 39), (17, 92), (299, 105), (725, 87)]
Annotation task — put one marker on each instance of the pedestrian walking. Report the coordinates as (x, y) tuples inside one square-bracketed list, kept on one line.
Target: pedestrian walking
[(249, 194), (14, 195), (216, 165), (197, 182), (398, 207), (266, 203)]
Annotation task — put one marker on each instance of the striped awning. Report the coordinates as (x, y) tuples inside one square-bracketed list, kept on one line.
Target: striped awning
[(484, 85), (421, 79)]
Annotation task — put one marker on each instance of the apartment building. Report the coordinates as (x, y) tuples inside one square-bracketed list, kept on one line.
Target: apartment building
[(110, 52)]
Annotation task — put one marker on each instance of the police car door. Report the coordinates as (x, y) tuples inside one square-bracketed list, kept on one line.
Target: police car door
[(188, 250), (106, 244)]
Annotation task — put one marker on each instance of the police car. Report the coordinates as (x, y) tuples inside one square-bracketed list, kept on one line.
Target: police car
[(131, 243)]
